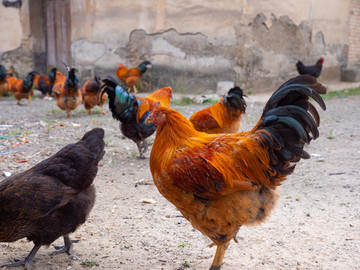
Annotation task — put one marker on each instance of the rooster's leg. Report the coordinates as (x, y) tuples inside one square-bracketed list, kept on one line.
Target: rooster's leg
[(67, 247), (142, 146), (219, 256), (102, 110), (135, 90), (68, 115), (25, 261), (29, 100), (89, 111)]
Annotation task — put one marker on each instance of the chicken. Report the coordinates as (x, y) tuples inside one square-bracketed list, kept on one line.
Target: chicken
[(53, 198), (220, 182), (161, 97), (125, 108), (132, 76), (59, 78), (3, 84), (12, 72), (89, 94), (45, 83), (314, 71), (21, 88), (222, 117), (67, 94)]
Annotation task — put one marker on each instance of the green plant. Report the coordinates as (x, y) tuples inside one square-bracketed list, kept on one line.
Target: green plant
[(89, 263), (55, 111), (16, 132), (330, 135), (185, 264), (183, 245), (341, 93), (184, 101), (210, 101)]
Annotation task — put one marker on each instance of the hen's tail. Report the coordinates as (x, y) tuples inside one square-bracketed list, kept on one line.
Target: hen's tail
[(289, 121), (76, 164), (235, 98), (123, 105), (300, 67)]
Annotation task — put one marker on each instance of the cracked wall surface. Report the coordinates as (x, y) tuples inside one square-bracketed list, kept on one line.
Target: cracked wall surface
[(193, 44)]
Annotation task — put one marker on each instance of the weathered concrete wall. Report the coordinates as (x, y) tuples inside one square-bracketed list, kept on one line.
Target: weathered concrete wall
[(193, 44), (16, 41)]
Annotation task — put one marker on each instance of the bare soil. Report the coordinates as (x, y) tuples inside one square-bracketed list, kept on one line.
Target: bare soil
[(316, 224)]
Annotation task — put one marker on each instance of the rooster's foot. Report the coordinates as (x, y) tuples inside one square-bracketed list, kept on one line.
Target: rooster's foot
[(25, 262), (66, 248)]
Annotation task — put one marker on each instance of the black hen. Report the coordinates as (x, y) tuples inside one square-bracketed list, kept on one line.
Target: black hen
[(46, 83), (125, 107), (52, 198), (314, 71)]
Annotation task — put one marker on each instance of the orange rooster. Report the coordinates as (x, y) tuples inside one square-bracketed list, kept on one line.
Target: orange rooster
[(161, 97), (89, 94), (222, 117), (67, 94), (59, 78), (21, 88), (3, 83), (131, 76), (220, 182)]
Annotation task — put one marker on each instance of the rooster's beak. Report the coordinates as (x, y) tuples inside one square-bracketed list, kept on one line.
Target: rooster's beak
[(148, 119)]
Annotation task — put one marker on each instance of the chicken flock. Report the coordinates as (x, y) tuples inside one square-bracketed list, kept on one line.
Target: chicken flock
[(217, 177)]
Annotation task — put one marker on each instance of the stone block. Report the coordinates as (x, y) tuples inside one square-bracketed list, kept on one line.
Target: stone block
[(350, 75)]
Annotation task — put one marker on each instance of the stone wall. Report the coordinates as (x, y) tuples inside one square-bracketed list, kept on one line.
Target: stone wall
[(192, 44)]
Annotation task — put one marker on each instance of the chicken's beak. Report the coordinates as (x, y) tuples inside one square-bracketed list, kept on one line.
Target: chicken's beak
[(149, 119)]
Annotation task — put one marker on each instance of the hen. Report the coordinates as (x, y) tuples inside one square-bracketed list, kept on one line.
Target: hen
[(131, 76), (222, 117), (67, 94), (89, 94), (125, 108), (314, 71), (45, 83), (52, 198), (220, 182), (3, 85), (21, 88)]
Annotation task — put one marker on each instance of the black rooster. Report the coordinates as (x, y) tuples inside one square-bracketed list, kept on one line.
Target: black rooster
[(314, 71), (52, 198), (125, 108)]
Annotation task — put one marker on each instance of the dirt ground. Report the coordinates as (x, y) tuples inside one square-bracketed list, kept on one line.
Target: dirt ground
[(316, 224)]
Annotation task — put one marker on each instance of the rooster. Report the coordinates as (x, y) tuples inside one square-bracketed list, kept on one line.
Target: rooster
[(45, 83), (89, 94), (3, 84), (220, 182), (222, 117), (21, 88), (52, 198), (131, 76), (131, 112), (314, 71), (67, 94)]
